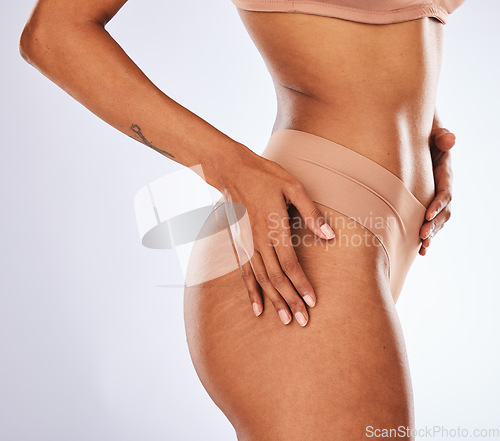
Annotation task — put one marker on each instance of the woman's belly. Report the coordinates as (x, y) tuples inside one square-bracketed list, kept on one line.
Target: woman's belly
[(371, 88)]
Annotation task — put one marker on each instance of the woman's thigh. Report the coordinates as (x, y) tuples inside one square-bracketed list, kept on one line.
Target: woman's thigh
[(346, 370)]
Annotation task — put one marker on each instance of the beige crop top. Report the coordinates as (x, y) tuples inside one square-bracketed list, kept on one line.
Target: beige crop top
[(368, 11)]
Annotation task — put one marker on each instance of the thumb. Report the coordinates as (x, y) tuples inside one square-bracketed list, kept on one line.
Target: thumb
[(317, 224), (311, 214), (444, 140)]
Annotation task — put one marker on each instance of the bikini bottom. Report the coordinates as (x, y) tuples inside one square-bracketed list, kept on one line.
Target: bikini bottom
[(359, 188), (334, 176)]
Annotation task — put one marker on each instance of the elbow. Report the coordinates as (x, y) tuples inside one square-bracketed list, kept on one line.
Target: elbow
[(24, 44), (39, 39), (47, 30), (31, 43)]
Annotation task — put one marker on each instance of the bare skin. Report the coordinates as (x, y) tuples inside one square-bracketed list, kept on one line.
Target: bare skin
[(69, 44), (370, 88), (345, 370)]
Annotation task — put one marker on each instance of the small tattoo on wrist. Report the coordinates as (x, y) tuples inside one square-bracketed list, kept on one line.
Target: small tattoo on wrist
[(141, 138)]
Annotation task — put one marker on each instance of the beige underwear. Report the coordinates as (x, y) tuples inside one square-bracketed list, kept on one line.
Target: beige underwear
[(334, 176), (359, 188)]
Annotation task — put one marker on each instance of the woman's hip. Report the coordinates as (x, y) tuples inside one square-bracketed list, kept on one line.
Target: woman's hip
[(347, 364), (360, 189)]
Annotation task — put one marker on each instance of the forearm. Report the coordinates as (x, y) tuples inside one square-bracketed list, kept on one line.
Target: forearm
[(84, 60)]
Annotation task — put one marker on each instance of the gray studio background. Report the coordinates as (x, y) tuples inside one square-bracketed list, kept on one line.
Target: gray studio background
[(92, 346)]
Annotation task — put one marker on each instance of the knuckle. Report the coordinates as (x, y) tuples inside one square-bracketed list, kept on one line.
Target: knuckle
[(294, 305), (261, 278), (259, 227), (446, 194), (315, 213), (441, 195), (289, 265), (277, 279), (245, 274), (253, 295), (296, 186), (277, 303)]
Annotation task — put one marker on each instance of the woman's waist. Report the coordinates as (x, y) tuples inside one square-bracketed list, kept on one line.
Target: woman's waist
[(392, 142), (325, 57), (387, 133)]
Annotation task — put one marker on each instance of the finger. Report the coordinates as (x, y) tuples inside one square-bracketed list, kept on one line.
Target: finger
[(291, 267), (253, 288), (423, 250), (426, 243), (282, 284), (427, 230), (442, 200), (262, 279), (444, 139), (440, 220), (312, 216), (430, 229)]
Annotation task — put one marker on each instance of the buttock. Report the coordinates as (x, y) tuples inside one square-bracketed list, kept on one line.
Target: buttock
[(328, 380)]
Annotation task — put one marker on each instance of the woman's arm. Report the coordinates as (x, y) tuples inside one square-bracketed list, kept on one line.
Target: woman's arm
[(68, 43)]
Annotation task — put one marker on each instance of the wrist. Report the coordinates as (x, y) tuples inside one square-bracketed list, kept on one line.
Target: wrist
[(220, 169)]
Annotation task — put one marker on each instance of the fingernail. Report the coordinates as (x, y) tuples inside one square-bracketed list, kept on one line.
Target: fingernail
[(300, 318), (285, 318), (309, 300), (256, 308), (327, 231), (433, 215)]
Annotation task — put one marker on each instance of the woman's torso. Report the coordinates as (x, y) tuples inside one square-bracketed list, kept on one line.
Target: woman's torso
[(371, 88)]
